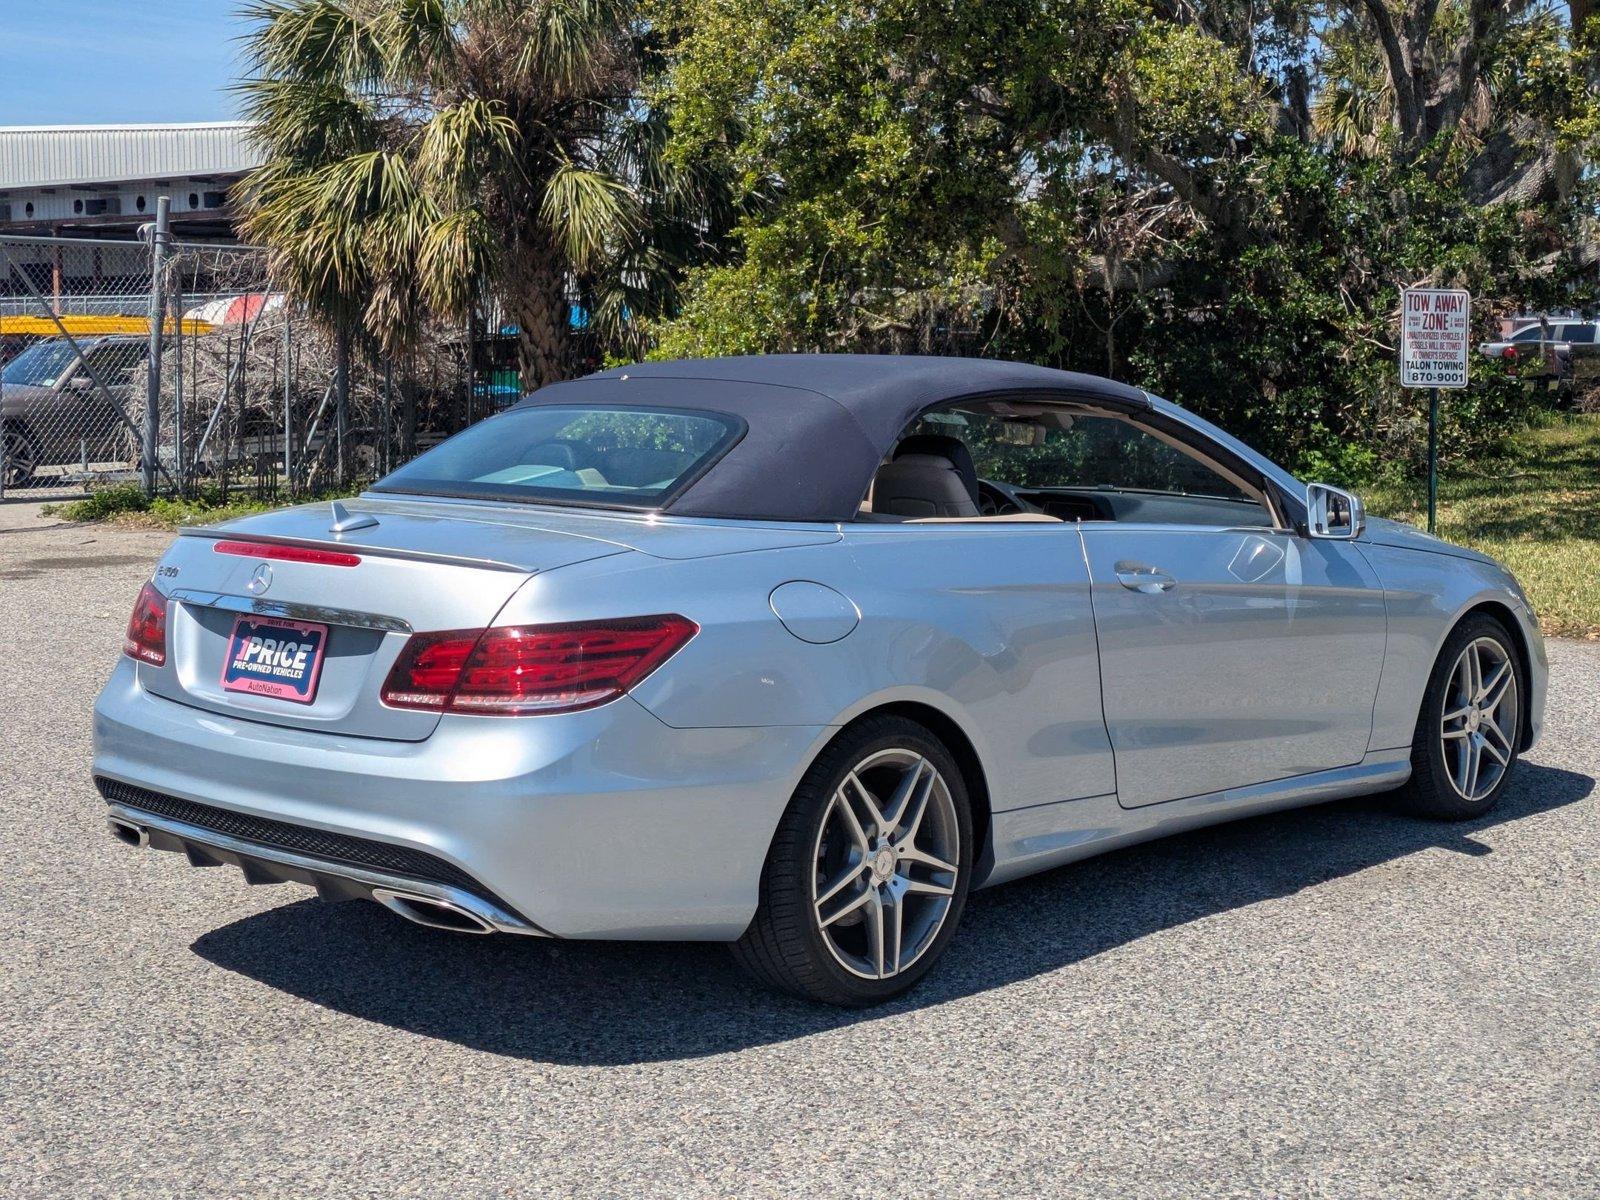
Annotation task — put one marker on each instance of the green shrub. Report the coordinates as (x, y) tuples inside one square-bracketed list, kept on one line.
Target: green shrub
[(208, 507), (106, 502)]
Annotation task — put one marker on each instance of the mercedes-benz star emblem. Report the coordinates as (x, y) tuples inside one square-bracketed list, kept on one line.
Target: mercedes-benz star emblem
[(260, 580)]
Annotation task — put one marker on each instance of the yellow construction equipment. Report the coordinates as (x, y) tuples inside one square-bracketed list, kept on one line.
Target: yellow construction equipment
[(90, 326)]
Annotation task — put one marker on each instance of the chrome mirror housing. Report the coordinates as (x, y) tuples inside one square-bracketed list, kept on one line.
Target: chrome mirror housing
[(1334, 513)]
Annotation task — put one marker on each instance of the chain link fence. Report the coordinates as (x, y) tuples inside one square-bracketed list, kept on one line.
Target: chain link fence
[(178, 367), (74, 323)]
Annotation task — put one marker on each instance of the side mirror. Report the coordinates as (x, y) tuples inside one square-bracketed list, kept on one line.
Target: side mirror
[(1334, 513)]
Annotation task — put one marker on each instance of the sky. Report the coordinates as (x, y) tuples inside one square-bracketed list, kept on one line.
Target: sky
[(108, 62), (105, 62)]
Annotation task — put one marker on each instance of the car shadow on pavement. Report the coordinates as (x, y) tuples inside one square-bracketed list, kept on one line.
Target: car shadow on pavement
[(608, 1003)]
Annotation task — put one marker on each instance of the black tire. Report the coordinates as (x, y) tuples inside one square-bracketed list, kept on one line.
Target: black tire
[(1432, 791), (785, 947)]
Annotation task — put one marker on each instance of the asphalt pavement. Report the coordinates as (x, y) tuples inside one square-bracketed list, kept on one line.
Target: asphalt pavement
[(1333, 1002)]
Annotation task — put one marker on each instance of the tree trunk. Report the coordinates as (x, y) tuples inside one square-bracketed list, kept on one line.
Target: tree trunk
[(536, 299), (408, 416)]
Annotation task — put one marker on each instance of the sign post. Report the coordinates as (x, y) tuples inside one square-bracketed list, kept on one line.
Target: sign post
[(1435, 324)]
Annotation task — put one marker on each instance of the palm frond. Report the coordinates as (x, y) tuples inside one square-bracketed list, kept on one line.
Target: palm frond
[(420, 37), (464, 144), (586, 210), (309, 120), (1352, 116), (569, 46), (460, 253), (325, 40)]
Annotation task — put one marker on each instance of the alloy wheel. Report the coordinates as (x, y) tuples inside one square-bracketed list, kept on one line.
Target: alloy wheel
[(885, 864), (1478, 728), (21, 460)]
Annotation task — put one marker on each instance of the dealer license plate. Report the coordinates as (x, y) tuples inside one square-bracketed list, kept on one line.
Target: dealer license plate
[(269, 656)]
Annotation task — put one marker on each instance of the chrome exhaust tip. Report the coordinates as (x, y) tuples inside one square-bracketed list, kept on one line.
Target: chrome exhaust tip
[(436, 914), (128, 833)]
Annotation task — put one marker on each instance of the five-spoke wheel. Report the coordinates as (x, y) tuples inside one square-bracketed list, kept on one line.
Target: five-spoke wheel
[(1479, 729), (21, 459), (885, 863), (868, 871), (1470, 727)]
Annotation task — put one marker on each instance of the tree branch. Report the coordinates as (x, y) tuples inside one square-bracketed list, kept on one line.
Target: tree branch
[(1459, 77), (1183, 179), (1402, 79)]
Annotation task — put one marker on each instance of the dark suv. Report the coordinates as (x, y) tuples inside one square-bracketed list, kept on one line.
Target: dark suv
[(52, 413)]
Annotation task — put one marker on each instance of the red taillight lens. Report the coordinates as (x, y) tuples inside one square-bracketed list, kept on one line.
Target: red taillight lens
[(304, 554), (426, 672), (1509, 352), (147, 628), (525, 669)]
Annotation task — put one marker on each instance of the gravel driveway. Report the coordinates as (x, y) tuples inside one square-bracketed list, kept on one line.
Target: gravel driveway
[(1329, 1002)]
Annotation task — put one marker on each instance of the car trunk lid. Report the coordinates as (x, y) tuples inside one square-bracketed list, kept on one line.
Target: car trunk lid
[(411, 571)]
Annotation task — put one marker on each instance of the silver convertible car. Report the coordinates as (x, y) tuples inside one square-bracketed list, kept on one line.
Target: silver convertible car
[(794, 652)]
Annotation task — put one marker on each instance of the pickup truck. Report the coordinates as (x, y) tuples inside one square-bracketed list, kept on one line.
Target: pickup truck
[(1564, 354)]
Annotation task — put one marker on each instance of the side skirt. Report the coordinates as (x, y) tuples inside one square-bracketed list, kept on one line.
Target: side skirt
[(1026, 840)]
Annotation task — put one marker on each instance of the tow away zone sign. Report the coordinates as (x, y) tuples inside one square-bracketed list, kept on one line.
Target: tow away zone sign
[(1434, 326)]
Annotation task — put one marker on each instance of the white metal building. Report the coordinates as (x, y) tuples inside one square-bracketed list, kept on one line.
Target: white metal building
[(103, 180)]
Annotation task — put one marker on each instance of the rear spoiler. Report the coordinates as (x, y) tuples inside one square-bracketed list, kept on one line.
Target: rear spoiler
[(216, 533)]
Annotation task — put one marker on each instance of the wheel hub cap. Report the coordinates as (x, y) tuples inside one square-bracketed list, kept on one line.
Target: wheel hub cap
[(883, 864)]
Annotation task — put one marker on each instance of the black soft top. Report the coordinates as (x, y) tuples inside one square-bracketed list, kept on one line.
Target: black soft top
[(818, 424)]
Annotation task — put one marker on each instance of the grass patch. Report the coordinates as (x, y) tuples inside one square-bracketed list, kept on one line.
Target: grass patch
[(1535, 507), (127, 505)]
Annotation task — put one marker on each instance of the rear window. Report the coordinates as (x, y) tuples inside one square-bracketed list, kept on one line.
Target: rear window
[(611, 457)]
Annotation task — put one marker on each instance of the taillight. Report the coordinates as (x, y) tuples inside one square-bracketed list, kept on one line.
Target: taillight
[(272, 550), (1509, 352), (147, 628), (525, 669)]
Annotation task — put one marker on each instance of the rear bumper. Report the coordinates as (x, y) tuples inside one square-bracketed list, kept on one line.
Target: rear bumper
[(134, 818), (603, 824)]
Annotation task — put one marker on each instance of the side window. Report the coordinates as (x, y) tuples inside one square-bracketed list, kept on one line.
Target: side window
[(117, 363), (1088, 466), (1078, 450), (1103, 452), (1530, 334), (1578, 334)]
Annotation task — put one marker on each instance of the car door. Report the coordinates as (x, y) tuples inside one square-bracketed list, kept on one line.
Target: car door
[(1231, 657), (1529, 348), (98, 413), (1232, 651)]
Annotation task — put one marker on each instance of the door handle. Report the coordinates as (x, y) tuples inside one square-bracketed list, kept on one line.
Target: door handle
[(1137, 577)]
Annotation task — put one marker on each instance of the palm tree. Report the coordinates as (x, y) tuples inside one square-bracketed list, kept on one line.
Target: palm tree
[(1354, 110), (424, 155)]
